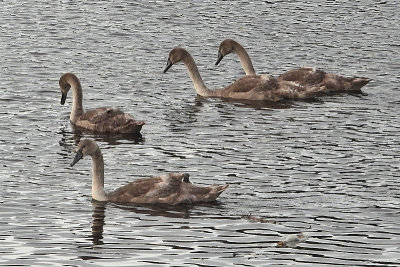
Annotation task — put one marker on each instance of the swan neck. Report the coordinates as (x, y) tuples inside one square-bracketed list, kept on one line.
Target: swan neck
[(77, 108), (98, 192), (245, 60), (194, 74)]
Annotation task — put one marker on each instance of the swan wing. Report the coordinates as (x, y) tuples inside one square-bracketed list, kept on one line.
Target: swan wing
[(309, 76), (101, 115), (192, 193), (294, 90), (161, 189), (173, 188), (109, 120), (252, 82)]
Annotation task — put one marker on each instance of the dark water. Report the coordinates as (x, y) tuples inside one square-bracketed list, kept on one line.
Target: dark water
[(328, 168)]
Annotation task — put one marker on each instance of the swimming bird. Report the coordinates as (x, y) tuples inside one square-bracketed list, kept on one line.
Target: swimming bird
[(304, 76), (101, 120), (251, 87), (172, 188)]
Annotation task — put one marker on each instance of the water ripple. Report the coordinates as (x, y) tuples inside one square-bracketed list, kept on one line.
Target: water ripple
[(328, 168)]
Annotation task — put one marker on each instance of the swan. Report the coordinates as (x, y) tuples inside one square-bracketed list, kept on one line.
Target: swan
[(102, 120), (172, 188), (303, 76), (251, 87)]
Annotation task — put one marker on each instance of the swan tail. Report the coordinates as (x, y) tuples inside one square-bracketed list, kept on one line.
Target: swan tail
[(132, 127), (358, 83), (339, 84), (214, 192)]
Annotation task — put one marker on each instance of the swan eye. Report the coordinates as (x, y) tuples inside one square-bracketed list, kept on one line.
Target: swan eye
[(66, 86)]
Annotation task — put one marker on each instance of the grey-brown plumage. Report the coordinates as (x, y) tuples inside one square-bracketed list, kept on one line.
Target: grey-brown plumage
[(332, 83), (101, 120), (172, 188), (168, 189), (250, 87)]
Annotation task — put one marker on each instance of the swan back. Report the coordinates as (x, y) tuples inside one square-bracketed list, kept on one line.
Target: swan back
[(172, 188)]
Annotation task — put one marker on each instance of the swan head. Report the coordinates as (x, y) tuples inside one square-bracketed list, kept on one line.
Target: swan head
[(85, 147), (177, 54), (226, 47), (65, 85)]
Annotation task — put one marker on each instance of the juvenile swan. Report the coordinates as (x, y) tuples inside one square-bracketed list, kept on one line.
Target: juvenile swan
[(251, 87), (102, 120), (304, 76), (172, 188)]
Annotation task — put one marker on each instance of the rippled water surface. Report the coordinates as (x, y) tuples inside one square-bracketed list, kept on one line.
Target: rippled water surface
[(326, 168)]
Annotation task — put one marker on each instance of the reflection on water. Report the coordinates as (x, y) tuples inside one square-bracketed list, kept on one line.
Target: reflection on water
[(263, 104), (70, 140), (99, 209), (328, 168)]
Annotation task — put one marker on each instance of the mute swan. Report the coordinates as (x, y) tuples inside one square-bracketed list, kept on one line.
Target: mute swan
[(252, 87), (303, 76), (172, 188), (102, 120)]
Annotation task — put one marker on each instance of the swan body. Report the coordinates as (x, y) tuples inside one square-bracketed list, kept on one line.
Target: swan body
[(172, 188), (304, 76), (250, 87), (102, 120)]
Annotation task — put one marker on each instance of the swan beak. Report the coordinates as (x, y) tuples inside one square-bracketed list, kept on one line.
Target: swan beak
[(220, 57), (63, 98), (169, 65), (78, 156)]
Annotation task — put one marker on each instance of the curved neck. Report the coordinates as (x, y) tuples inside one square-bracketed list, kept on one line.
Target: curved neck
[(77, 108), (98, 192), (194, 74), (244, 58)]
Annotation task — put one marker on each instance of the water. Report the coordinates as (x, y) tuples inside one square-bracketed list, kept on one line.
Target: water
[(328, 168)]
